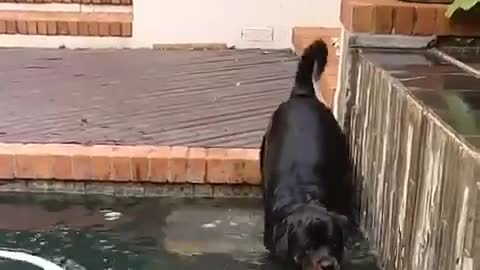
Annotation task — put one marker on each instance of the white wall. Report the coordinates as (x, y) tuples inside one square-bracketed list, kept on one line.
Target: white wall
[(207, 21), (192, 21)]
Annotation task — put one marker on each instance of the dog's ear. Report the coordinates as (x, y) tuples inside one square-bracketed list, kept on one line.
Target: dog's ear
[(280, 238)]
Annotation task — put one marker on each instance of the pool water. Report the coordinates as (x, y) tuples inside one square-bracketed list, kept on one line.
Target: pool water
[(97, 232)]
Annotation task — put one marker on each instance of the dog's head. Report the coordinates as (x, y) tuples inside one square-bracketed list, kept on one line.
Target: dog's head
[(312, 238)]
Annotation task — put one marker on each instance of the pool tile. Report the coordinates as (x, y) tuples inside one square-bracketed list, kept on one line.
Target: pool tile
[(13, 186), (100, 188), (203, 191), (129, 190)]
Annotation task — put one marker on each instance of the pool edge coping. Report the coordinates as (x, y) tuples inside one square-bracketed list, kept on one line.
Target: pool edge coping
[(129, 164)]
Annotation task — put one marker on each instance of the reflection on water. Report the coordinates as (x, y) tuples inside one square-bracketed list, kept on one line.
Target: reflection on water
[(85, 232)]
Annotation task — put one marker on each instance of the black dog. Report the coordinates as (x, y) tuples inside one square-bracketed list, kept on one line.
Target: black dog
[(304, 163)]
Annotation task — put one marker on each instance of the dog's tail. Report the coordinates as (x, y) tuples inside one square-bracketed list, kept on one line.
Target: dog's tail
[(310, 68)]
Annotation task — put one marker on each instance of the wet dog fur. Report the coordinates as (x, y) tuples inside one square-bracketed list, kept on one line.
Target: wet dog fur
[(304, 163)]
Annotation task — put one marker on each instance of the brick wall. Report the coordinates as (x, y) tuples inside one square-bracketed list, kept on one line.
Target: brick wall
[(26, 21), (406, 18), (96, 2)]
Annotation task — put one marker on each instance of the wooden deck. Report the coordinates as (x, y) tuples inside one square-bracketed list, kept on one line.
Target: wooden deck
[(218, 98)]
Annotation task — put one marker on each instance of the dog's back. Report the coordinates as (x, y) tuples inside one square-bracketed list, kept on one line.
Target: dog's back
[(304, 147), (304, 154)]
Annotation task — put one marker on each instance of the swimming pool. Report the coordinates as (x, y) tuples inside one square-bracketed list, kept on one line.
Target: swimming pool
[(99, 232)]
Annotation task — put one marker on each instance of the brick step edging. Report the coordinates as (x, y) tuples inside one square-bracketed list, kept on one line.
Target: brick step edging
[(59, 28), (66, 23), (143, 163), (89, 2)]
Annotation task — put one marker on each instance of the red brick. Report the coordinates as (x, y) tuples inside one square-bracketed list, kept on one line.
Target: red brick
[(121, 164), (62, 28), (81, 163), (219, 168), (383, 20), (7, 168), (159, 164), (60, 159), (140, 169), (104, 29), (245, 166), (51, 28), (403, 20), (126, 29), (44, 166), (93, 29), (11, 27), (3, 27), (42, 28), (72, 28), (425, 22), (81, 167), (83, 29), (140, 162), (177, 164), (32, 27), (362, 19), (196, 165), (24, 166), (101, 162), (442, 23), (116, 29), (33, 162), (101, 167), (235, 163), (62, 167), (250, 172), (343, 12), (7, 161), (22, 27)]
